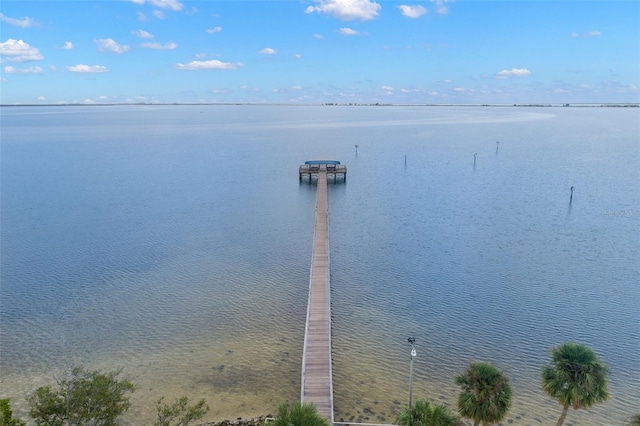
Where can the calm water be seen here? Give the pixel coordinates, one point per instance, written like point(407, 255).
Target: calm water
point(175, 242)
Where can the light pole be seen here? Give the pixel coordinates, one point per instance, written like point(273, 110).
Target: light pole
point(411, 341)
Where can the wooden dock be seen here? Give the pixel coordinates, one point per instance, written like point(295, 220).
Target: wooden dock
point(317, 383)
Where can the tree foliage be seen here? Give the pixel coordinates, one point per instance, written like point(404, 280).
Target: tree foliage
point(299, 414)
point(576, 377)
point(6, 415)
point(423, 413)
point(48, 408)
point(180, 413)
point(486, 393)
point(83, 398)
point(635, 420)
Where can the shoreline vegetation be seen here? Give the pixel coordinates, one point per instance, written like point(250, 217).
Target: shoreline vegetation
point(253, 421)
point(517, 105)
point(576, 378)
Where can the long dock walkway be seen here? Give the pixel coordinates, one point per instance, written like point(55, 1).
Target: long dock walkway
point(317, 383)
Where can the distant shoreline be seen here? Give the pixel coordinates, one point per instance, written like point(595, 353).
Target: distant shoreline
point(329, 104)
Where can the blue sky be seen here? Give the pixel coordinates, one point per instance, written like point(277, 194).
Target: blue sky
point(320, 51)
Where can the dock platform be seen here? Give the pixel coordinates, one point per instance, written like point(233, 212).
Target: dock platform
point(333, 169)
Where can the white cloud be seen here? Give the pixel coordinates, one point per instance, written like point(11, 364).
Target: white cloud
point(213, 64)
point(387, 88)
point(142, 34)
point(214, 30)
point(142, 17)
point(200, 55)
point(67, 45)
point(347, 10)
point(268, 51)
point(25, 22)
point(348, 32)
point(31, 70)
point(81, 68)
point(441, 7)
point(618, 87)
point(174, 5)
point(585, 35)
point(110, 45)
point(319, 36)
point(19, 51)
point(41, 98)
point(297, 56)
point(159, 46)
point(412, 11)
point(515, 72)
point(159, 14)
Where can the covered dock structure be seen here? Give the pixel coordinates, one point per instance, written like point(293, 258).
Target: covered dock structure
point(333, 169)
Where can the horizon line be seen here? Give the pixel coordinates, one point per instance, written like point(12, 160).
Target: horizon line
point(565, 104)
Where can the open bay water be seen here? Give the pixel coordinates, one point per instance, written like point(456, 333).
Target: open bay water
point(174, 242)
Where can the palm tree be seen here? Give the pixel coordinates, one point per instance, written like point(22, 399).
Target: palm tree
point(486, 393)
point(425, 414)
point(299, 414)
point(576, 378)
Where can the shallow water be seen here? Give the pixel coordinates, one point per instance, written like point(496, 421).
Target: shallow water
point(174, 242)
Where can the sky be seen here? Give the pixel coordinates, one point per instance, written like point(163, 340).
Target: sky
point(319, 51)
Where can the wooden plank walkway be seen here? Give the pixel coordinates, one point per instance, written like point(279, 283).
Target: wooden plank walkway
point(317, 383)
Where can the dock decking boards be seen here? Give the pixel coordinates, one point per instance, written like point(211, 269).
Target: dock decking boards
point(317, 383)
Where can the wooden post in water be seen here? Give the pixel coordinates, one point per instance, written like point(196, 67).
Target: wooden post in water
point(474, 160)
point(497, 144)
point(356, 150)
point(571, 196)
